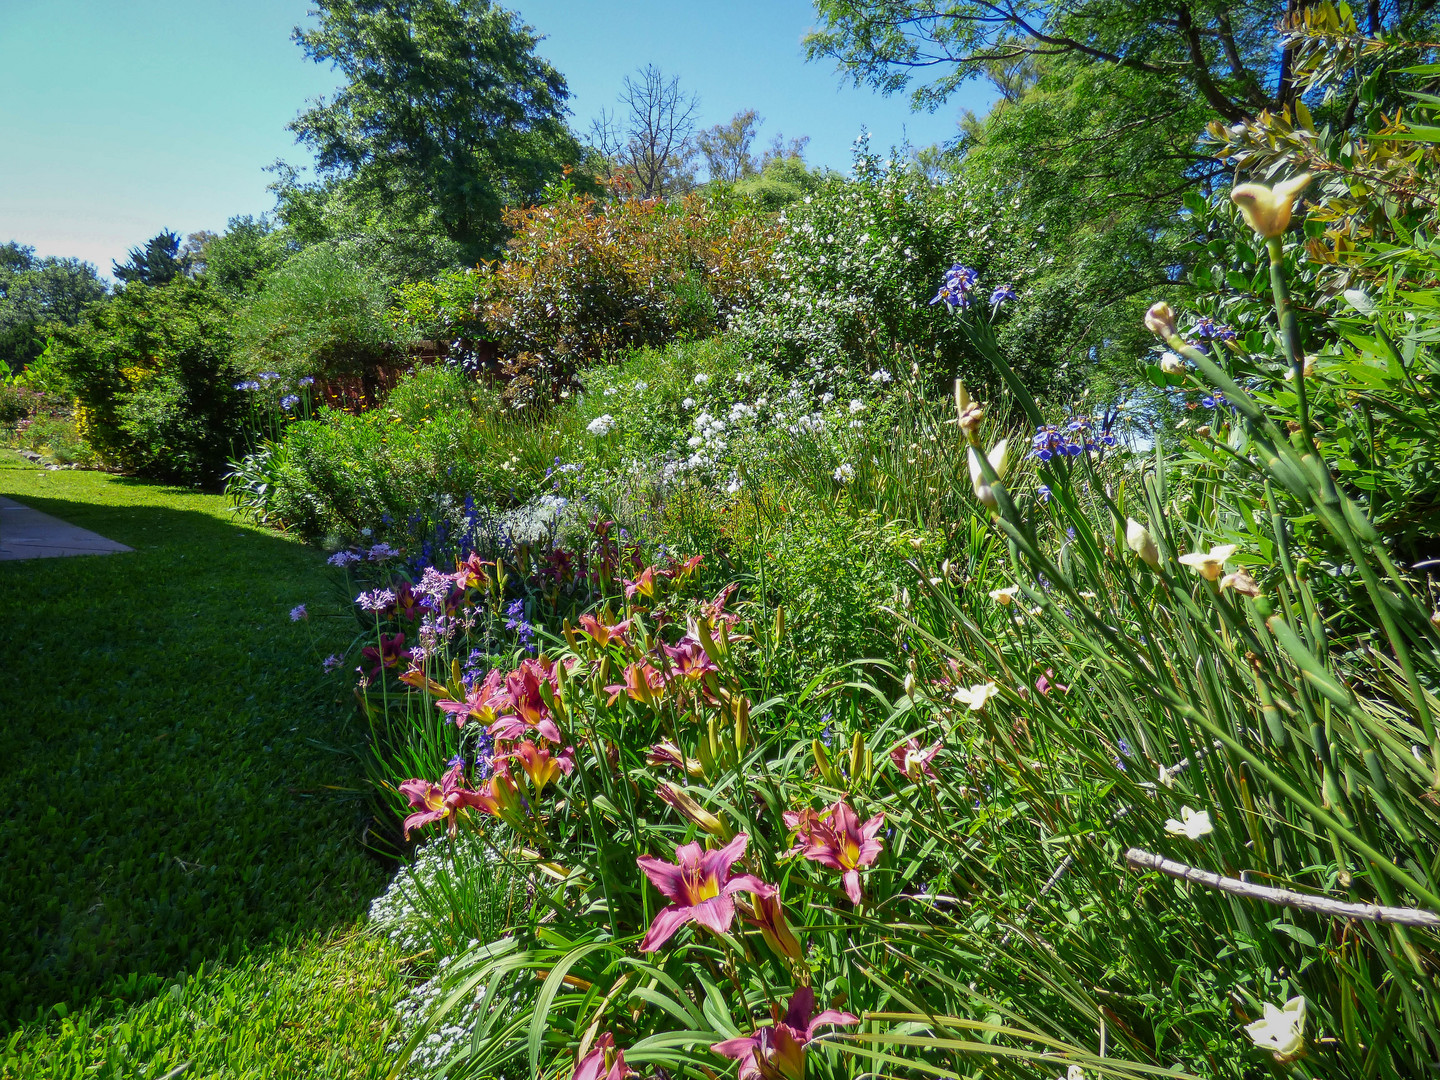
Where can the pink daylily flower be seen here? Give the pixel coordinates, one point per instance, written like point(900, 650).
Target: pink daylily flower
point(592, 1065)
point(777, 1052)
point(1044, 685)
point(391, 651)
point(914, 760)
point(439, 802)
point(601, 633)
point(642, 683)
point(479, 704)
point(837, 839)
point(523, 705)
point(700, 887)
point(541, 767)
point(689, 660)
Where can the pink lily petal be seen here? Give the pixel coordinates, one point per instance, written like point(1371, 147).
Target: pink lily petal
point(667, 877)
point(751, 884)
point(717, 913)
point(852, 886)
point(718, 862)
point(830, 1016)
point(667, 923)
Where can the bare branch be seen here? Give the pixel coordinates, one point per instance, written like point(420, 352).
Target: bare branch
point(1321, 905)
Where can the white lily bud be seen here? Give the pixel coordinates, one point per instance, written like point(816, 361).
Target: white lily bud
point(1267, 209)
point(1171, 364)
point(1139, 540)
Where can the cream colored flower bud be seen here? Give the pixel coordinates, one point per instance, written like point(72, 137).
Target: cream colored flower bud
point(1160, 319)
point(1267, 209)
point(1171, 364)
point(1139, 540)
point(1241, 582)
point(1309, 367)
point(999, 461)
point(1203, 431)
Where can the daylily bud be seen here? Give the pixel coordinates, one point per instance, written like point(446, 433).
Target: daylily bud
point(1267, 209)
point(691, 810)
point(1139, 540)
point(911, 685)
point(1171, 364)
point(775, 928)
point(823, 763)
point(1160, 319)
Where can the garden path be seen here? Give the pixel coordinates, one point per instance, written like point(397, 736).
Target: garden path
point(26, 533)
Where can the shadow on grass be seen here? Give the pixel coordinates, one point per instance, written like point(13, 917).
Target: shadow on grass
point(176, 769)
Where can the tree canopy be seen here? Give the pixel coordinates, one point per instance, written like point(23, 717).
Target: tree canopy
point(445, 102)
point(36, 291)
point(1219, 51)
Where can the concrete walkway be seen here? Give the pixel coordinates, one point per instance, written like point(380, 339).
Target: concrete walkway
point(29, 534)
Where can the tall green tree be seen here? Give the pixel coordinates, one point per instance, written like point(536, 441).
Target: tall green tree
point(35, 292)
point(157, 263)
point(445, 102)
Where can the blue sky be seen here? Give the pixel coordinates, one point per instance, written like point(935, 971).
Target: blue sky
point(118, 119)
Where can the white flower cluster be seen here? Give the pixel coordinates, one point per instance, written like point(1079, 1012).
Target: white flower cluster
point(601, 425)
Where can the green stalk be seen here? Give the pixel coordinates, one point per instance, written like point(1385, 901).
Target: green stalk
point(1289, 335)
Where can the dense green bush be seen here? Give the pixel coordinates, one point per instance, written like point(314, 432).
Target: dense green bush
point(154, 381)
point(318, 315)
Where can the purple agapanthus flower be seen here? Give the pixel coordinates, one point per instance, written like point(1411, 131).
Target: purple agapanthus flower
point(333, 661)
point(289, 401)
point(378, 600)
point(308, 380)
point(298, 612)
point(381, 552)
point(343, 558)
point(269, 376)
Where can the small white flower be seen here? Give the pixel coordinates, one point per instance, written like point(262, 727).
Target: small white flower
point(826, 398)
point(601, 425)
point(856, 405)
point(1171, 364)
point(701, 379)
point(1004, 596)
point(845, 473)
point(610, 391)
point(641, 386)
point(733, 488)
point(1281, 1030)
point(880, 376)
point(976, 696)
point(1193, 824)
point(688, 403)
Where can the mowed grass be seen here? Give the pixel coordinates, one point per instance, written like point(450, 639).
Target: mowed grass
point(182, 862)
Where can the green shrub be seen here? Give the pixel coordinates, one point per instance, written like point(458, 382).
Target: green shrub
point(318, 315)
point(152, 375)
point(582, 281)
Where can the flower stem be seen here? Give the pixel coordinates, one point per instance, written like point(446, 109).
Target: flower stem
point(1289, 335)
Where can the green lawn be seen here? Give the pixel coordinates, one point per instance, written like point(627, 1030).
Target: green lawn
point(179, 793)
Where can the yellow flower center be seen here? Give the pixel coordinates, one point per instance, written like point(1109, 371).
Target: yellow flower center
point(707, 889)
